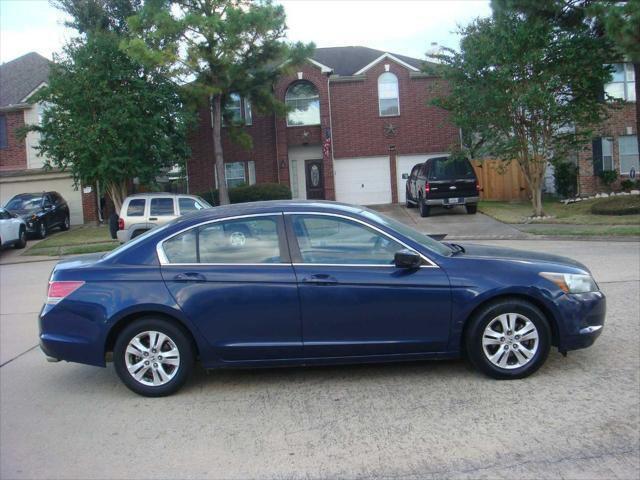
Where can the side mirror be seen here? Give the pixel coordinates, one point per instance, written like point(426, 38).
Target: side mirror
point(407, 259)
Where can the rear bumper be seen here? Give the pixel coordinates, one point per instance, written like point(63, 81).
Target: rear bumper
point(445, 201)
point(123, 236)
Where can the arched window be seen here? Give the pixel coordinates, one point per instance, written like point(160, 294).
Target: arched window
point(304, 104)
point(388, 98)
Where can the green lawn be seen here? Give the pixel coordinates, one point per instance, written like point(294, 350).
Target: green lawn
point(578, 213)
point(84, 239)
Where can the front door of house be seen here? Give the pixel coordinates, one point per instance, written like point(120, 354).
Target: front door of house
point(315, 180)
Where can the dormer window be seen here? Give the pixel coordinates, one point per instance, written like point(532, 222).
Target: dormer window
point(388, 95)
point(623, 82)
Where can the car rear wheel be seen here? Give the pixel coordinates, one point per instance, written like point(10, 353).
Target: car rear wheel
point(22, 239)
point(153, 357)
point(425, 209)
point(42, 230)
point(508, 339)
point(471, 209)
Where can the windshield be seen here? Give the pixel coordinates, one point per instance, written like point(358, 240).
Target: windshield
point(450, 168)
point(424, 240)
point(24, 202)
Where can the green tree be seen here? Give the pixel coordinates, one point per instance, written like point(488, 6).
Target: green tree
point(218, 48)
point(527, 88)
point(108, 118)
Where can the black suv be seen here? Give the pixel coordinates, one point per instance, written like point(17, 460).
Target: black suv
point(444, 182)
point(40, 211)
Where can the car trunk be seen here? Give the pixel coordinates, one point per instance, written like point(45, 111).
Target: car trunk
point(451, 178)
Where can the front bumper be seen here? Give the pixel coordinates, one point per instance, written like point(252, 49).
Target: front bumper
point(584, 316)
point(446, 201)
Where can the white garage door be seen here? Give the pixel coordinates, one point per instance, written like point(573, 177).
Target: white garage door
point(363, 181)
point(404, 164)
point(57, 182)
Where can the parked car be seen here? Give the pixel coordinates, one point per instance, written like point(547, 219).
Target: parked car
point(145, 211)
point(13, 230)
point(41, 212)
point(445, 182)
point(307, 283)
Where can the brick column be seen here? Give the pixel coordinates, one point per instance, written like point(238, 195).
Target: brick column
point(394, 174)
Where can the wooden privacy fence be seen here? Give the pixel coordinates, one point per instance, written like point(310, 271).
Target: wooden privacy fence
point(499, 181)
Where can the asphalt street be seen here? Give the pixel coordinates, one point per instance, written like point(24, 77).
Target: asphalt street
point(578, 417)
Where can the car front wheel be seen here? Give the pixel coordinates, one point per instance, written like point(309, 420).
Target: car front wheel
point(153, 357)
point(66, 224)
point(22, 239)
point(508, 339)
point(42, 230)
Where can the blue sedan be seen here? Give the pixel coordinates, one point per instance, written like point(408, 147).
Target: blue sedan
point(311, 283)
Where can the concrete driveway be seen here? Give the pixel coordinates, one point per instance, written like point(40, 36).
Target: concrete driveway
point(578, 417)
point(455, 222)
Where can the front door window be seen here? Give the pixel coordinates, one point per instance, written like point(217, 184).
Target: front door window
point(315, 181)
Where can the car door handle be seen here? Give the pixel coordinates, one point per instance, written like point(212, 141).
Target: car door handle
point(190, 277)
point(320, 279)
point(153, 219)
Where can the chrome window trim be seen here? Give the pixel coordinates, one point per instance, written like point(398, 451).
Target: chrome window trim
point(431, 263)
point(162, 258)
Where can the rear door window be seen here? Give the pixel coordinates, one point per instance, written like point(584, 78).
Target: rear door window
point(161, 207)
point(136, 207)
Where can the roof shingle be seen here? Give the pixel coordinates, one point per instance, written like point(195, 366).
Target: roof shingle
point(20, 77)
point(348, 60)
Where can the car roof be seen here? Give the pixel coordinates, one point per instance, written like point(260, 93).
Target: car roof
point(159, 194)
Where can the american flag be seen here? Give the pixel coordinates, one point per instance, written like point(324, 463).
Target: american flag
point(326, 147)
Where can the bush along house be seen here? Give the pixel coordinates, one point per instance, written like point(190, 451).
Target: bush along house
point(613, 153)
point(359, 120)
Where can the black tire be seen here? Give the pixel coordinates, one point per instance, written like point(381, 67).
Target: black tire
point(66, 224)
point(113, 225)
point(475, 331)
point(408, 203)
point(176, 334)
point(137, 233)
point(22, 240)
point(42, 230)
point(425, 210)
point(472, 209)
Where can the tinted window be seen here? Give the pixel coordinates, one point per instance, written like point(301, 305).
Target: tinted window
point(334, 240)
point(47, 201)
point(182, 248)
point(3, 132)
point(136, 207)
point(25, 201)
point(161, 207)
point(4, 215)
point(246, 240)
point(189, 205)
point(448, 168)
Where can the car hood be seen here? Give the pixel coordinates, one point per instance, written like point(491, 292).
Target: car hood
point(485, 251)
point(25, 213)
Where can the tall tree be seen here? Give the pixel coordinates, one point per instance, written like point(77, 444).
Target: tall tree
point(218, 48)
point(108, 118)
point(522, 85)
point(618, 21)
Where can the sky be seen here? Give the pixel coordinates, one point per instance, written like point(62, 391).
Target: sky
point(406, 27)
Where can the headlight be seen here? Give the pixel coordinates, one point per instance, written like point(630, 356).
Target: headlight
point(572, 283)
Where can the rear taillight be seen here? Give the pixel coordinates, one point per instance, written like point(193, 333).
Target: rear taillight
point(120, 223)
point(427, 187)
point(61, 289)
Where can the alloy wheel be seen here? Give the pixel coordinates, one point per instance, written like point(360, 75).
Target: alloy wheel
point(152, 358)
point(510, 341)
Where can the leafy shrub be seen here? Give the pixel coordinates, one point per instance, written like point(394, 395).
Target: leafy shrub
point(250, 193)
point(566, 179)
point(620, 205)
point(608, 177)
point(627, 184)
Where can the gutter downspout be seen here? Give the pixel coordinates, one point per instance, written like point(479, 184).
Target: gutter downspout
point(333, 169)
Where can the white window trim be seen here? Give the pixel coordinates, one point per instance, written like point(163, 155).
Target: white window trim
point(620, 154)
point(397, 98)
point(382, 57)
point(626, 84)
point(285, 101)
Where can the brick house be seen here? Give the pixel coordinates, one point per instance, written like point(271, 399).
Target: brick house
point(359, 121)
point(615, 146)
point(20, 167)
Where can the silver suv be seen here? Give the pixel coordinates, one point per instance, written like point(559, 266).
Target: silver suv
point(144, 211)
